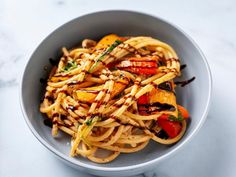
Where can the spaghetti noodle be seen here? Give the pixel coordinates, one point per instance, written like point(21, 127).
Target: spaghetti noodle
point(115, 95)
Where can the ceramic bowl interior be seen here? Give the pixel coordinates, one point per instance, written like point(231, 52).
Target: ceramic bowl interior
point(195, 96)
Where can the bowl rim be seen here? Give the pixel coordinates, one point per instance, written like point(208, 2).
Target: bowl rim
point(76, 162)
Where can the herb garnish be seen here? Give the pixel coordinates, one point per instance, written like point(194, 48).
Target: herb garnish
point(89, 122)
point(180, 118)
point(173, 118)
point(109, 50)
point(70, 65)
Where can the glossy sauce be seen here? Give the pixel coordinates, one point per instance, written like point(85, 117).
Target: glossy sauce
point(53, 62)
point(43, 81)
point(183, 67)
point(48, 122)
point(186, 82)
point(49, 98)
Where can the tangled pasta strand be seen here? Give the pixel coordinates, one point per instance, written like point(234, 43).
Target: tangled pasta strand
point(94, 95)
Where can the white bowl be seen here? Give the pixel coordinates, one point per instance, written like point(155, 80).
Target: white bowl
point(195, 96)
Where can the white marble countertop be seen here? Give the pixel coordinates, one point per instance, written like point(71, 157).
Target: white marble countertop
point(24, 24)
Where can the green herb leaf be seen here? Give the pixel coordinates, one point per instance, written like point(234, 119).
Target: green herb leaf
point(180, 118)
point(109, 50)
point(70, 65)
point(89, 122)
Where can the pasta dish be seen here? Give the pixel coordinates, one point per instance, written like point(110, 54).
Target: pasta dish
point(114, 96)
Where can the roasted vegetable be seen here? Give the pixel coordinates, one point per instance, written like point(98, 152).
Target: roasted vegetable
point(162, 96)
point(158, 100)
point(158, 95)
point(170, 127)
point(143, 65)
point(183, 111)
point(89, 94)
point(107, 41)
point(144, 99)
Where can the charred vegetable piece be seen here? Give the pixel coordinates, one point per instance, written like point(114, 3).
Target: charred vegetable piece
point(156, 108)
point(166, 86)
point(162, 96)
point(143, 65)
point(158, 95)
point(157, 100)
point(162, 134)
point(89, 94)
point(170, 127)
point(182, 114)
